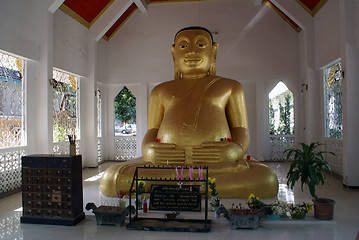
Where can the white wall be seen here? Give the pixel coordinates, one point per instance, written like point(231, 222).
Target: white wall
point(21, 28)
point(255, 43)
point(70, 44)
point(327, 34)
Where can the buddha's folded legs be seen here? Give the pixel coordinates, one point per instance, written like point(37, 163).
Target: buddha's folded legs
point(232, 180)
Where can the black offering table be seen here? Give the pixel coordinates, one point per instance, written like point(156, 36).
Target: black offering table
point(166, 195)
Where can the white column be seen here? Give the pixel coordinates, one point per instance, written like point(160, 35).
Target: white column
point(350, 42)
point(88, 109)
point(44, 106)
point(141, 116)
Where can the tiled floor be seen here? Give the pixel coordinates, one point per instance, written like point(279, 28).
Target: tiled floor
point(344, 226)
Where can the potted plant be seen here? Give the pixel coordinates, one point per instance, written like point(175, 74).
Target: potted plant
point(253, 202)
point(298, 210)
point(307, 166)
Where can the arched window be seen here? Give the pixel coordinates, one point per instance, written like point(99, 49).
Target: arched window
point(125, 113)
point(125, 125)
point(281, 111)
point(281, 121)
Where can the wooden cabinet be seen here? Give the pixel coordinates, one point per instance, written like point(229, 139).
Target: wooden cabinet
point(52, 189)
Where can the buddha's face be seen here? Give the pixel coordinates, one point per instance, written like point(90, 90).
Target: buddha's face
point(193, 52)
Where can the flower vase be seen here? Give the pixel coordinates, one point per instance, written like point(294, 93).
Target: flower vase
point(214, 202)
point(139, 202)
point(72, 149)
point(300, 215)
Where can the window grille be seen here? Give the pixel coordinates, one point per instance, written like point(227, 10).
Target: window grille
point(333, 93)
point(65, 101)
point(99, 125)
point(12, 130)
point(99, 113)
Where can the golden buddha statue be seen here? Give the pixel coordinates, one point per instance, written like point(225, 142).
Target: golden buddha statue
point(195, 120)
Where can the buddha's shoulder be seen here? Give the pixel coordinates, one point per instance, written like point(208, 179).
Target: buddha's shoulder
point(229, 82)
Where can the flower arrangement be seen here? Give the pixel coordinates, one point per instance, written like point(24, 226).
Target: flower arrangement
point(239, 210)
point(254, 202)
point(212, 186)
point(140, 186)
point(298, 210)
point(278, 208)
point(215, 201)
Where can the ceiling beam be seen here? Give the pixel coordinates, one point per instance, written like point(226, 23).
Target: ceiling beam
point(141, 4)
point(295, 12)
point(108, 18)
point(55, 5)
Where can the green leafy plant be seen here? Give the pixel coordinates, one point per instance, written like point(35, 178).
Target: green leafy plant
point(254, 202)
point(307, 167)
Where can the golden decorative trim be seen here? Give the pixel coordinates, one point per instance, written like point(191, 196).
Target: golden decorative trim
point(316, 9)
point(118, 28)
point(285, 17)
point(102, 11)
point(74, 15)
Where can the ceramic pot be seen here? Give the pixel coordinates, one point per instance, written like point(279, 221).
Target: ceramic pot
point(273, 216)
point(300, 215)
point(324, 208)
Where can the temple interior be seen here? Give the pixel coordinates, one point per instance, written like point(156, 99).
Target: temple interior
point(66, 65)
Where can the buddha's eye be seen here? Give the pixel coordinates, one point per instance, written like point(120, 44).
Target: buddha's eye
point(201, 45)
point(182, 46)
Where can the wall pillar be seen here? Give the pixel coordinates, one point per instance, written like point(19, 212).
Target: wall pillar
point(88, 109)
point(44, 103)
point(350, 28)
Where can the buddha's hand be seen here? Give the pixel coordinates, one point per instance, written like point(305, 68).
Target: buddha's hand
point(163, 153)
point(217, 152)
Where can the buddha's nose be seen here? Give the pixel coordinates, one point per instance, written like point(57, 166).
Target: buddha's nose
point(190, 53)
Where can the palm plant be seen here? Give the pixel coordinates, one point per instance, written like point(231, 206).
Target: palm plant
point(307, 167)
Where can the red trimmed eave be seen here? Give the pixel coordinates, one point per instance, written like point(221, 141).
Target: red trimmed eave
point(155, 1)
point(120, 21)
point(166, 1)
point(312, 6)
point(285, 16)
point(87, 9)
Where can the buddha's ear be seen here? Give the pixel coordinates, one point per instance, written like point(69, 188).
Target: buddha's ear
point(173, 51)
point(214, 49)
point(212, 70)
point(176, 70)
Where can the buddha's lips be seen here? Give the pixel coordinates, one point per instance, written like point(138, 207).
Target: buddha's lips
point(193, 61)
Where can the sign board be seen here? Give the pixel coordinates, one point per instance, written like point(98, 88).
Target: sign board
point(175, 198)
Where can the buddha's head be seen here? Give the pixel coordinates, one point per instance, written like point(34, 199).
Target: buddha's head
point(194, 53)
